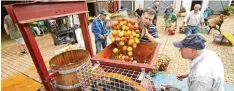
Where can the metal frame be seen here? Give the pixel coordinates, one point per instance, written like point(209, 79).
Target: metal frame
point(24, 13)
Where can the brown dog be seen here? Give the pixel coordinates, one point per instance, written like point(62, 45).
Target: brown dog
point(218, 20)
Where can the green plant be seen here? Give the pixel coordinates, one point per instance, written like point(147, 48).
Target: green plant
point(228, 10)
point(212, 11)
point(182, 10)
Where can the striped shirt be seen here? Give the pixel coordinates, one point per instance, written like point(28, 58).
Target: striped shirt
point(153, 31)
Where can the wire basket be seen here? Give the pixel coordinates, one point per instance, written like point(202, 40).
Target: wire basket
point(107, 78)
point(163, 62)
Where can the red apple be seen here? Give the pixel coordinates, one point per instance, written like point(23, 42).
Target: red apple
point(116, 27)
point(131, 27)
point(126, 58)
point(136, 26)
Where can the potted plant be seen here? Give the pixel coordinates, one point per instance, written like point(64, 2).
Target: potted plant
point(182, 12)
point(228, 10)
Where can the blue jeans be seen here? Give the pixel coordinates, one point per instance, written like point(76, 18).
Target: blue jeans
point(191, 30)
point(100, 43)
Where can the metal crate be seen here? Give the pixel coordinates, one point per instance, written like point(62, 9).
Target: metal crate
point(107, 78)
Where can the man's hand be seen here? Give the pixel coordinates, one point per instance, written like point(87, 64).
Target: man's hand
point(147, 33)
point(181, 77)
point(150, 37)
point(101, 36)
point(105, 35)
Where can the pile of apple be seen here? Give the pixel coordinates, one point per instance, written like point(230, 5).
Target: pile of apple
point(125, 34)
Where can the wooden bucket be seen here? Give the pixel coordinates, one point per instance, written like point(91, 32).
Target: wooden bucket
point(67, 64)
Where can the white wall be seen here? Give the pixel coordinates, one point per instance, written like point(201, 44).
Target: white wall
point(137, 2)
point(205, 4)
point(177, 4)
point(187, 5)
point(230, 1)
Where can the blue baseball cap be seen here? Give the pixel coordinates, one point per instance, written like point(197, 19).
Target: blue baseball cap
point(193, 41)
point(104, 12)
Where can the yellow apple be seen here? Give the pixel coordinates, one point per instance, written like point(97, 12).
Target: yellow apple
point(129, 49)
point(130, 41)
point(115, 50)
point(130, 54)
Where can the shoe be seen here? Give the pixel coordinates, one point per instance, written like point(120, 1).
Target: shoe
point(24, 52)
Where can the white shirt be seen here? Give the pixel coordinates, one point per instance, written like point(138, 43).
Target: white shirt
point(194, 19)
point(207, 73)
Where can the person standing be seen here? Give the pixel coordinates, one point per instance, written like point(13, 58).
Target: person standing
point(193, 20)
point(207, 14)
point(206, 68)
point(74, 21)
point(156, 9)
point(99, 31)
point(139, 11)
point(13, 30)
point(167, 17)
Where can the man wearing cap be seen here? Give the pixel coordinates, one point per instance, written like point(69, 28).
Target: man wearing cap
point(206, 69)
point(193, 20)
point(99, 31)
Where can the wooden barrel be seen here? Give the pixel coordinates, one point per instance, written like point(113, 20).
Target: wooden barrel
point(67, 64)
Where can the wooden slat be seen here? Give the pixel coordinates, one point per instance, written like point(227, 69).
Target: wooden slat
point(19, 82)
